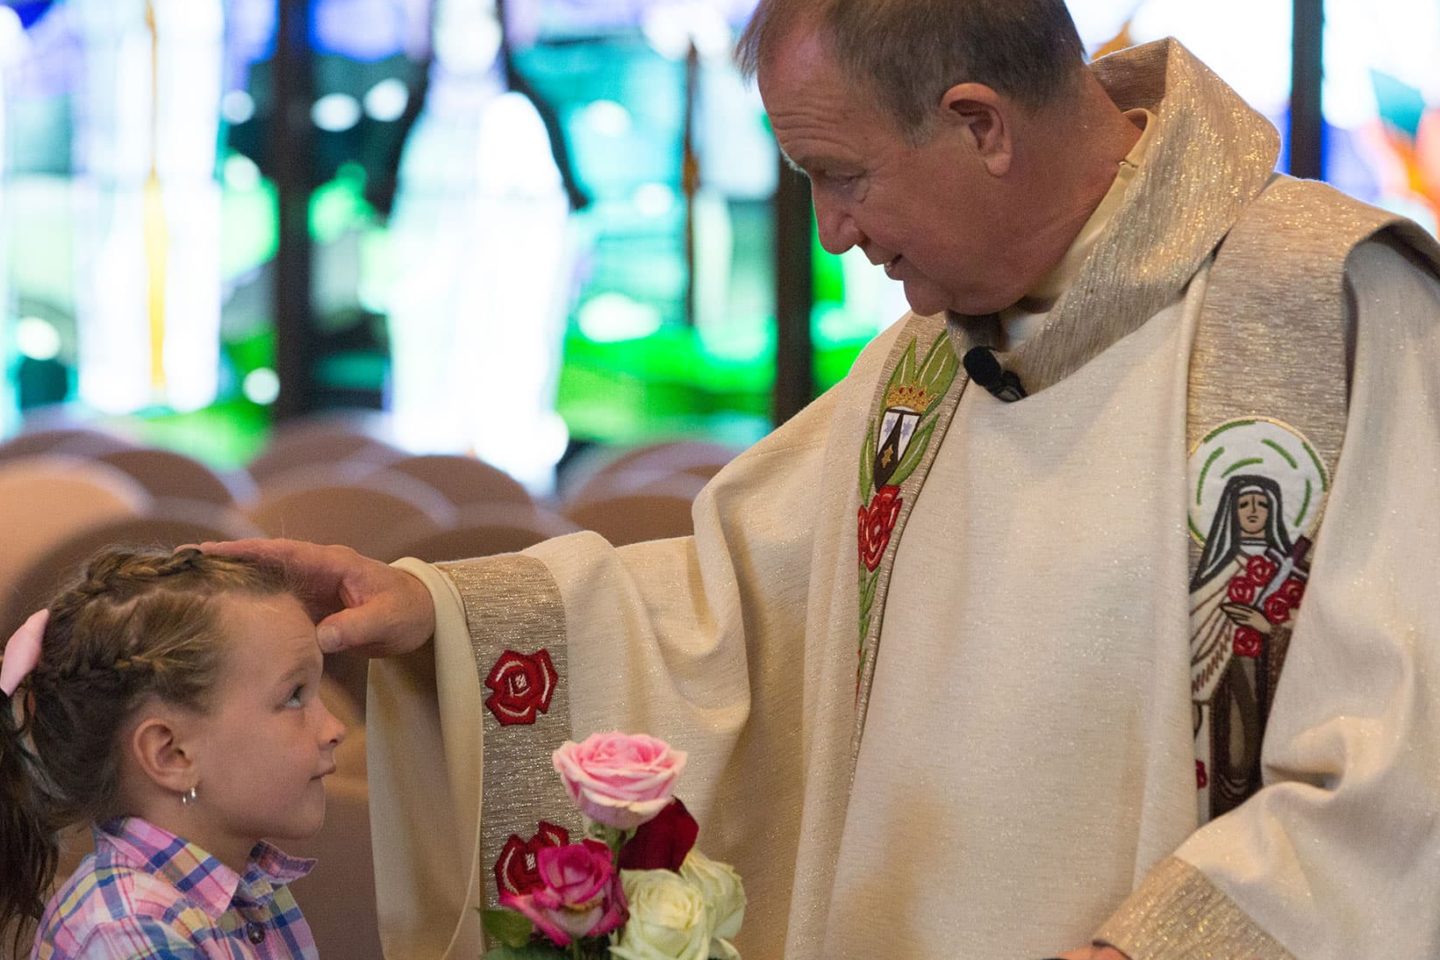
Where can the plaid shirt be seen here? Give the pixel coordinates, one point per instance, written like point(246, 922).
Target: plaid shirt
point(146, 893)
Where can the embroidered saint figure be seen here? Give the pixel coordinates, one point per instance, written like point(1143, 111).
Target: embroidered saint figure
point(1246, 588)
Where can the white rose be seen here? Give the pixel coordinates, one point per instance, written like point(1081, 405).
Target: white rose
point(668, 920)
point(724, 897)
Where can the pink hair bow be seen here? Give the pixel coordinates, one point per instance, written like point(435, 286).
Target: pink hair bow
point(22, 652)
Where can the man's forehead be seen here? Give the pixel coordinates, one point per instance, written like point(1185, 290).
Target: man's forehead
point(816, 112)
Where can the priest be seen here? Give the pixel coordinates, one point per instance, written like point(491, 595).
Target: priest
point(949, 677)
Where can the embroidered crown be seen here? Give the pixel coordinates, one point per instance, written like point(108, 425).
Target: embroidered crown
point(908, 395)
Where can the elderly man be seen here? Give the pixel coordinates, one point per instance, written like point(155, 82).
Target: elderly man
point(997, 649)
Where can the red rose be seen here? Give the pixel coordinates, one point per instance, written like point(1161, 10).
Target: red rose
point(516, 869)
point(876, 524)
point(522, 685)
point(1247, 642)
point(1202, 779)
point(1260, 569)
point(661, 843)
point(1292, 590)
point(1242, 590)
point(1277, 608)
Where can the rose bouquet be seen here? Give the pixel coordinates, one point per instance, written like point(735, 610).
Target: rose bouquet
point(635, 888)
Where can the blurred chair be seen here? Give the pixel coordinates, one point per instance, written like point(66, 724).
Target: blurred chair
point(175, 476)
point(350, 504)
point(464, 481)
point(661, 511)
point(358, 421)
point(480, 531)
point(604, 473)
point(46, 499)
point(81, 442)
point(164, 524)
point(285, 454)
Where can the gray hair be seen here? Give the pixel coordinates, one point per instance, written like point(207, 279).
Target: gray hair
point(909, 52)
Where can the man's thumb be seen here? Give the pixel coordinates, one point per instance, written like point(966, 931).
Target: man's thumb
point(338, 632)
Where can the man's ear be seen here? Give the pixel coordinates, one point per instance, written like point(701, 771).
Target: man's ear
point(981, 117)
point(160, 750)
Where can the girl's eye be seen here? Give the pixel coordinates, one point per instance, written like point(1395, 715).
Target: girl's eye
point(296, 697)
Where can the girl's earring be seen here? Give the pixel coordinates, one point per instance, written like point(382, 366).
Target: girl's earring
point(188, 797)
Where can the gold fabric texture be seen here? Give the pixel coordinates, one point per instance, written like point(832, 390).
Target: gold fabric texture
point(1276, 308)
point(1177, 914)
point(1209, 157)
point(920, 332)
point(512, 603)
point(1275, 341)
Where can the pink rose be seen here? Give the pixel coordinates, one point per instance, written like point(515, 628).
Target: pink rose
point(617, 779)
point(579, 893)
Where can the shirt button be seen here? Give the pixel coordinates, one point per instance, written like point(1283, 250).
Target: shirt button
point(255, 932)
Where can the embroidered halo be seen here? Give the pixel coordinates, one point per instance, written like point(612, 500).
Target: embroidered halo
point(1258, 446)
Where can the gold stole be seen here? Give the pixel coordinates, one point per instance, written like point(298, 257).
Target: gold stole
point(1268, 398)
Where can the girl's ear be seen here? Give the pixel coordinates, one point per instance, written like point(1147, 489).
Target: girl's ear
point(158, 747)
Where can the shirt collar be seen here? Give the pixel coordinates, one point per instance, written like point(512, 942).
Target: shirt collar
point(196, 874)
point(1029, 314)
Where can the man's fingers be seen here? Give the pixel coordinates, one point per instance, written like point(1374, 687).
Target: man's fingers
point(321, 574)
point(358, 604)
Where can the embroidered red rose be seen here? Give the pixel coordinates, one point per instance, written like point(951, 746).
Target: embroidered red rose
point(1247, 642)
point(1277, 608)
point(1202, 779)
point(516, 869)
point(523, 685)
point(876, 524)
point(1293, 590)
point(1242, 590)
point(1260, 569)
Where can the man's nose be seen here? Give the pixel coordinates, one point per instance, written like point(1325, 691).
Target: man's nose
point(837, 228)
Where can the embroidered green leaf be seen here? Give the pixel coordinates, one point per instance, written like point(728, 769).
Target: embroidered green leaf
point(867, 597)
point(904, 370)
point(867, 465)
point(913, 454)
point(508, 927)
point(938, 371)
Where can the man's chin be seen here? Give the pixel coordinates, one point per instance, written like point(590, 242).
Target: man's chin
point(928, 300)
point(925, 299)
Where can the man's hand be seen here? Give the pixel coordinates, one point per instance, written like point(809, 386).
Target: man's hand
point(1094, 953)
point(359, 604)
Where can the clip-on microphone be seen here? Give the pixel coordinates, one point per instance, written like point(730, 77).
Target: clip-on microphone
point(984, 369)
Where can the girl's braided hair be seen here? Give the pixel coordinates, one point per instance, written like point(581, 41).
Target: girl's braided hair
point(138, 624)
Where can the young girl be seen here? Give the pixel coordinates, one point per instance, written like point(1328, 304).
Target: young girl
point(170, 701)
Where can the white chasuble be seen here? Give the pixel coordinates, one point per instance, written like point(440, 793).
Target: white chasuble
point(1026, 778)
